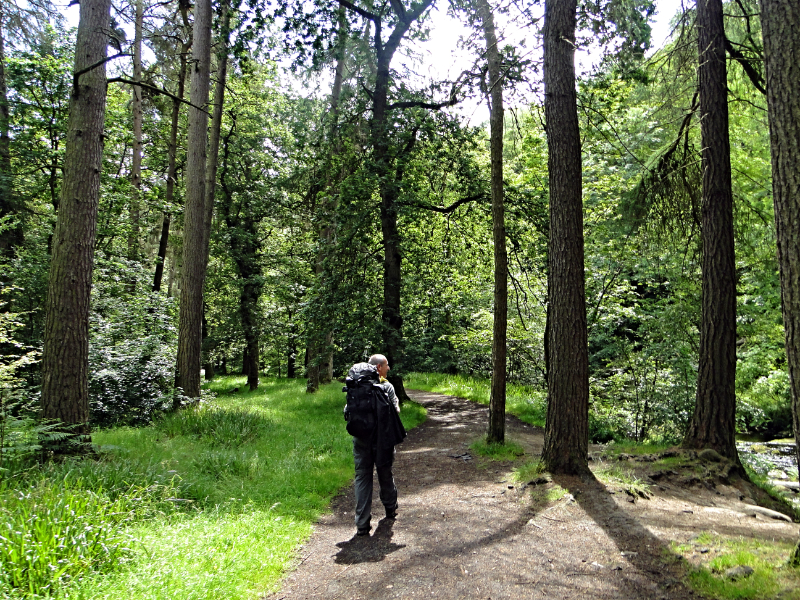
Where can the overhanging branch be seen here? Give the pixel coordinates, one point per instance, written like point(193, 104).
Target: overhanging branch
point(155, 89)
point(447, 209)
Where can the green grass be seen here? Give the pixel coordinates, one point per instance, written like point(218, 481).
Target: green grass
point(528, 472)
point(771, 577)
point(617, 448)
point(209, 503)
point(616, 475)
point(524, 402)
point(507, 451)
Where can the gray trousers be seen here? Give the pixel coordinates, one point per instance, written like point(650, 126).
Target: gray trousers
point(364, 456)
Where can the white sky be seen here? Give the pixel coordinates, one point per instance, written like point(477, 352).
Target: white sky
point(442, 58)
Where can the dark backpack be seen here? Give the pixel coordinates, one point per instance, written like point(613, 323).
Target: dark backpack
point(363, 394)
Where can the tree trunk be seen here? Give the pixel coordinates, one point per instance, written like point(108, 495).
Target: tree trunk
point(12, 236)
point(65, 356)
point(136, 109)
point(216, 123)
point(497, 398)
point(248, 311)
point(245, 359)
point(320, 368)
point(391, 318)
point(566, 440)
point(713, 424)
point(194, 254)
point(780, 22)
point(171, 170)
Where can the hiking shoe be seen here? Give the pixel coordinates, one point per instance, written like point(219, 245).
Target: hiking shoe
point(391, 513)
point(362, 532)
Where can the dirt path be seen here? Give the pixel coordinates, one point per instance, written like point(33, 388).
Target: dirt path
point(463, 531)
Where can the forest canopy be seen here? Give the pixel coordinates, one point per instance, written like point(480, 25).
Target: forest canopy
point(347, 209)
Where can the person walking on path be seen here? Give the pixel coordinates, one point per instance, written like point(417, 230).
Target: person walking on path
point(377, 451)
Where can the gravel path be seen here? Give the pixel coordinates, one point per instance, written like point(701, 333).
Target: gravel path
point(465, 531)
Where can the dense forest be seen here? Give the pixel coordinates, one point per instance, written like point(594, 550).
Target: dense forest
point(274, 190)
point(342, 208)
point(278, 190)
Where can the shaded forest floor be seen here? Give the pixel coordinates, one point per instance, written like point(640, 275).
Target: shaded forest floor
point(467, 528)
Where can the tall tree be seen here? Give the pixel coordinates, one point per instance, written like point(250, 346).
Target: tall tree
point(319, 357)
point(566, 440)
point(780, 22)
point(65, 356)
point(494, 95)
point(172, 154)
point(136, 109)
point(713, 423)
point(194, 252)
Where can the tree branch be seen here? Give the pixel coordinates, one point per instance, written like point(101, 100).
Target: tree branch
point(755, 76)
point(78, 74)
point(155, 89)
point(448, 209)
point(364, 13)
point(415, 104)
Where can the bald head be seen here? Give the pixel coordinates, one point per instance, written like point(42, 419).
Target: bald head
point(381, 364)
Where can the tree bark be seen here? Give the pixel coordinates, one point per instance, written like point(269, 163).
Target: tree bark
point(497, 398)
point(780, 22)
point(136, 109)
point(194, 255)
point(65, 356)
point(566, 442)
point(713, 424)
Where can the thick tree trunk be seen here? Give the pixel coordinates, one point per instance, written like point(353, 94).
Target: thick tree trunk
point(566, 440)
point(216, 123)
point(136, 162)
point(65, 356)
point(713, 424)
point(497, 398)
point(780, 22)
point(194, 254)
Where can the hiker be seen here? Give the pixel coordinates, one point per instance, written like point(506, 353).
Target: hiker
point(375, 435)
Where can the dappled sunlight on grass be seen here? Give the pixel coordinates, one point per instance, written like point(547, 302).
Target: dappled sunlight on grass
point(524, 402)
point(214, 499)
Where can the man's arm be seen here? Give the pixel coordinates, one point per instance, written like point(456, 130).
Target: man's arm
point(389, 388)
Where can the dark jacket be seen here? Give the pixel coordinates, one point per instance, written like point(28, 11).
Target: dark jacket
point(389, 430)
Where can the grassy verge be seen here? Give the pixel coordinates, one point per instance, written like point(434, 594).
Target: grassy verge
point(713, 558)
point(208, 503)
point(524, 402)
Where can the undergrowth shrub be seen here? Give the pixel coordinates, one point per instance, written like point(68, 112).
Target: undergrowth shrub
point(132, 348)
point(227, 427)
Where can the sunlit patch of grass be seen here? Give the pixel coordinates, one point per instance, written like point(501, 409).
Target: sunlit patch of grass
point(528, 472)
point(524, 402)
point(507, 451)
point(412, 414)
point(671, 461)
point(771, 577)
point(617, 475)
point(211, 502)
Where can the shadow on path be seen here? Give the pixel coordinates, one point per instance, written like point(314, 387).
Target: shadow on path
point(368, 548)
point(638, 546)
